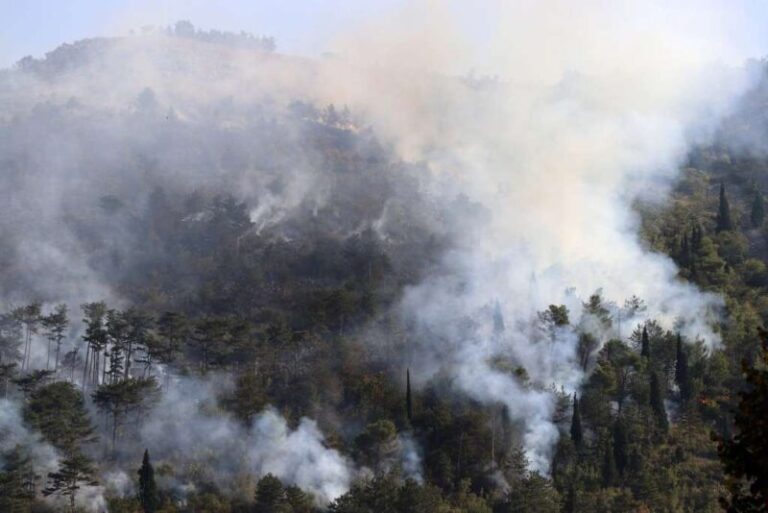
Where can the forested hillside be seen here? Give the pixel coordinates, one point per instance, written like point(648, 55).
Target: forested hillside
point(220, 306)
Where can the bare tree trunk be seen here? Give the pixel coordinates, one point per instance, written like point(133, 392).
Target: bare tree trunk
point(58, 352)
point(128, 356)
point(85, 365)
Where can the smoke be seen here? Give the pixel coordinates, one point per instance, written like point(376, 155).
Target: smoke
point(298, 457)
point(594, 110)
point(186, 426)
point(43, 457)
point(590, 109)
point(40, 458)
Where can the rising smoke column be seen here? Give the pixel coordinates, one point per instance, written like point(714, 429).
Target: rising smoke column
point(594, 108)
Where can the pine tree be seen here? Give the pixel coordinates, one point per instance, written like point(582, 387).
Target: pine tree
point(29, 316)
point(96, 339)
point(757, 215)
point(645, 344)
point(74, 470)
point(122, 398)
point(270, 495)
point(681, 371)
point(147, 486)
point(17, 480)
point(657, 403)
point(408, 398)
point(724, 222)
point(58, 412)
point(576, 432)
point(55, 326)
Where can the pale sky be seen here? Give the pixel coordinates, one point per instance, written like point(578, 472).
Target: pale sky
point(304, 27)
point(33, 27)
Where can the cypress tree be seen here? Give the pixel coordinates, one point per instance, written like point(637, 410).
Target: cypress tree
point(724, 222)
point(657, 402)
point(696, 237)
point(645, 344)
point(681, 371)
point(270, 495)
point(620, 446)
point(147, 486)
point(757, 216)
point(576, 433)
point(408, 400)
point(685, 252)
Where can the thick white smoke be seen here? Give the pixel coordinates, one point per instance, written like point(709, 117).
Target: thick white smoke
point(595, 106)
point(186, 426)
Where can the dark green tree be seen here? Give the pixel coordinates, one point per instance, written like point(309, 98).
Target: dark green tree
point(147, 487)
point(298, 500)
point(17, 481)
point(58, 412)
point(270, 496)
point(645, 344)
point(723, 221)
point(657, 403)
point(576, 434)
point(74, 470)
point(682, 378)
point(122, 398)
point(33, 380)
point(587, 345)
point(745, 456)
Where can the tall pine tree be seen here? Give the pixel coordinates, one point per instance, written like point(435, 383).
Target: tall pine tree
point(147, 486)
point(724, 222)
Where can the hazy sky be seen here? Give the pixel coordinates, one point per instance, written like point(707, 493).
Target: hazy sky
point(33, 27)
